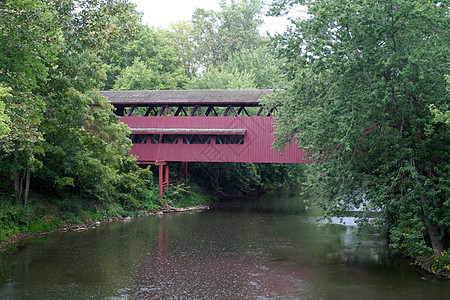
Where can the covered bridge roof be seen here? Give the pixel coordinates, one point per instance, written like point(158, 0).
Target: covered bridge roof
point(187, 97)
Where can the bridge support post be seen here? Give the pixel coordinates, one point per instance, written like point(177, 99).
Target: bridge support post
point(161, 172)
point(164, 175)
point(161, 181)
point(166, 183)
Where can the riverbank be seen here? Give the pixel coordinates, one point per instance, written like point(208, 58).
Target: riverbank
point(426, 265)
point(45, 214)
point(68, 227)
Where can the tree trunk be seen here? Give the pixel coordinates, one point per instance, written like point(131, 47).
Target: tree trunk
point(17, 186)
point(27, 187)
point(438, 245)
point(21, 191)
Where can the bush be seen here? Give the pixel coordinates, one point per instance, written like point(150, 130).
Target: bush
point(183, 196)
point(43, 225)
point(12, 218)
point(441, 262)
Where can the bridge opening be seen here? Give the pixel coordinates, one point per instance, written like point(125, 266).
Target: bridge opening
point(188, 139)
point(196, 139)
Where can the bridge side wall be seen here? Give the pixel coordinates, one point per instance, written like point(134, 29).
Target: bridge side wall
point(256, 147)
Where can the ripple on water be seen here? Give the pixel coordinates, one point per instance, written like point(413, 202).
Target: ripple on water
point(211, 256)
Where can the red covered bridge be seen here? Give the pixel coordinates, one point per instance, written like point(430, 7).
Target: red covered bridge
point(200, 126)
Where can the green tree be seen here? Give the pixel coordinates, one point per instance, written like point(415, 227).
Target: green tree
point(85, 147)
point(217, 35)
point(61, 132)
point(183, 36)
point(227, 80)
point(205, 35)
point(29, 44)
point(364, 74)
point(4, 120)
point(221, 178)
point(239, 24)
point(262, 63)
point(93, 23)
point(139, 76)
point(151, 51)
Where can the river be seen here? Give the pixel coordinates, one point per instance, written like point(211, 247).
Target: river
point(266, 249)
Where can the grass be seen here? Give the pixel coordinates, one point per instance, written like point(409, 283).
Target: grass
point(43, 225)
point(46, 214)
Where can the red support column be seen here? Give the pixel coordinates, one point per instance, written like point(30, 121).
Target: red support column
point(185, 172)
point(167, 177)
point(161, 181)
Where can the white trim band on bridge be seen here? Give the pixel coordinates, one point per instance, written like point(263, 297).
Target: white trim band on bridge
point(187, 131)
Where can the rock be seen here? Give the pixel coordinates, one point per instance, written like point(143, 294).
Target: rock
point(79, 229)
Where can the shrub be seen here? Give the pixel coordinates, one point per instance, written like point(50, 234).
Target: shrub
point(441, 262)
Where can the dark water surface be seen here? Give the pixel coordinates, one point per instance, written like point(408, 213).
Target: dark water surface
point(251, 251)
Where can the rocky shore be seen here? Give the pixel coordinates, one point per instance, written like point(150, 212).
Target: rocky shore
point(75, 227)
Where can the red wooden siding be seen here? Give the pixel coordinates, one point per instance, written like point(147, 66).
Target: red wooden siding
point(256, 147)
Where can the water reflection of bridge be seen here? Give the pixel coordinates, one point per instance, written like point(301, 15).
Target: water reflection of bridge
point(199, 126)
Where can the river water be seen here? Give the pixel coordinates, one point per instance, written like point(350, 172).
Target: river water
point(266, 249)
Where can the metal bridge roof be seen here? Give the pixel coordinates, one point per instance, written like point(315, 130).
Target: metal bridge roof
point(187, 97)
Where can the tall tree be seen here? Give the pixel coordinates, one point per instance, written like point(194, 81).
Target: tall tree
point(4, 120)
point(364, 74)
point(183, 36)
point(261, 62)
point(152, 52)
point(206, 39)
point(86, 148)
point(61, 132)
point(239, 24)
point(226, 80)
point(220, 34)
point(30, 42)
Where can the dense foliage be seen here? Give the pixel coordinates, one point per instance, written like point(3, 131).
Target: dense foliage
point(58, 136)
point(4, 119)
point(146, 61)
point(368, 99)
